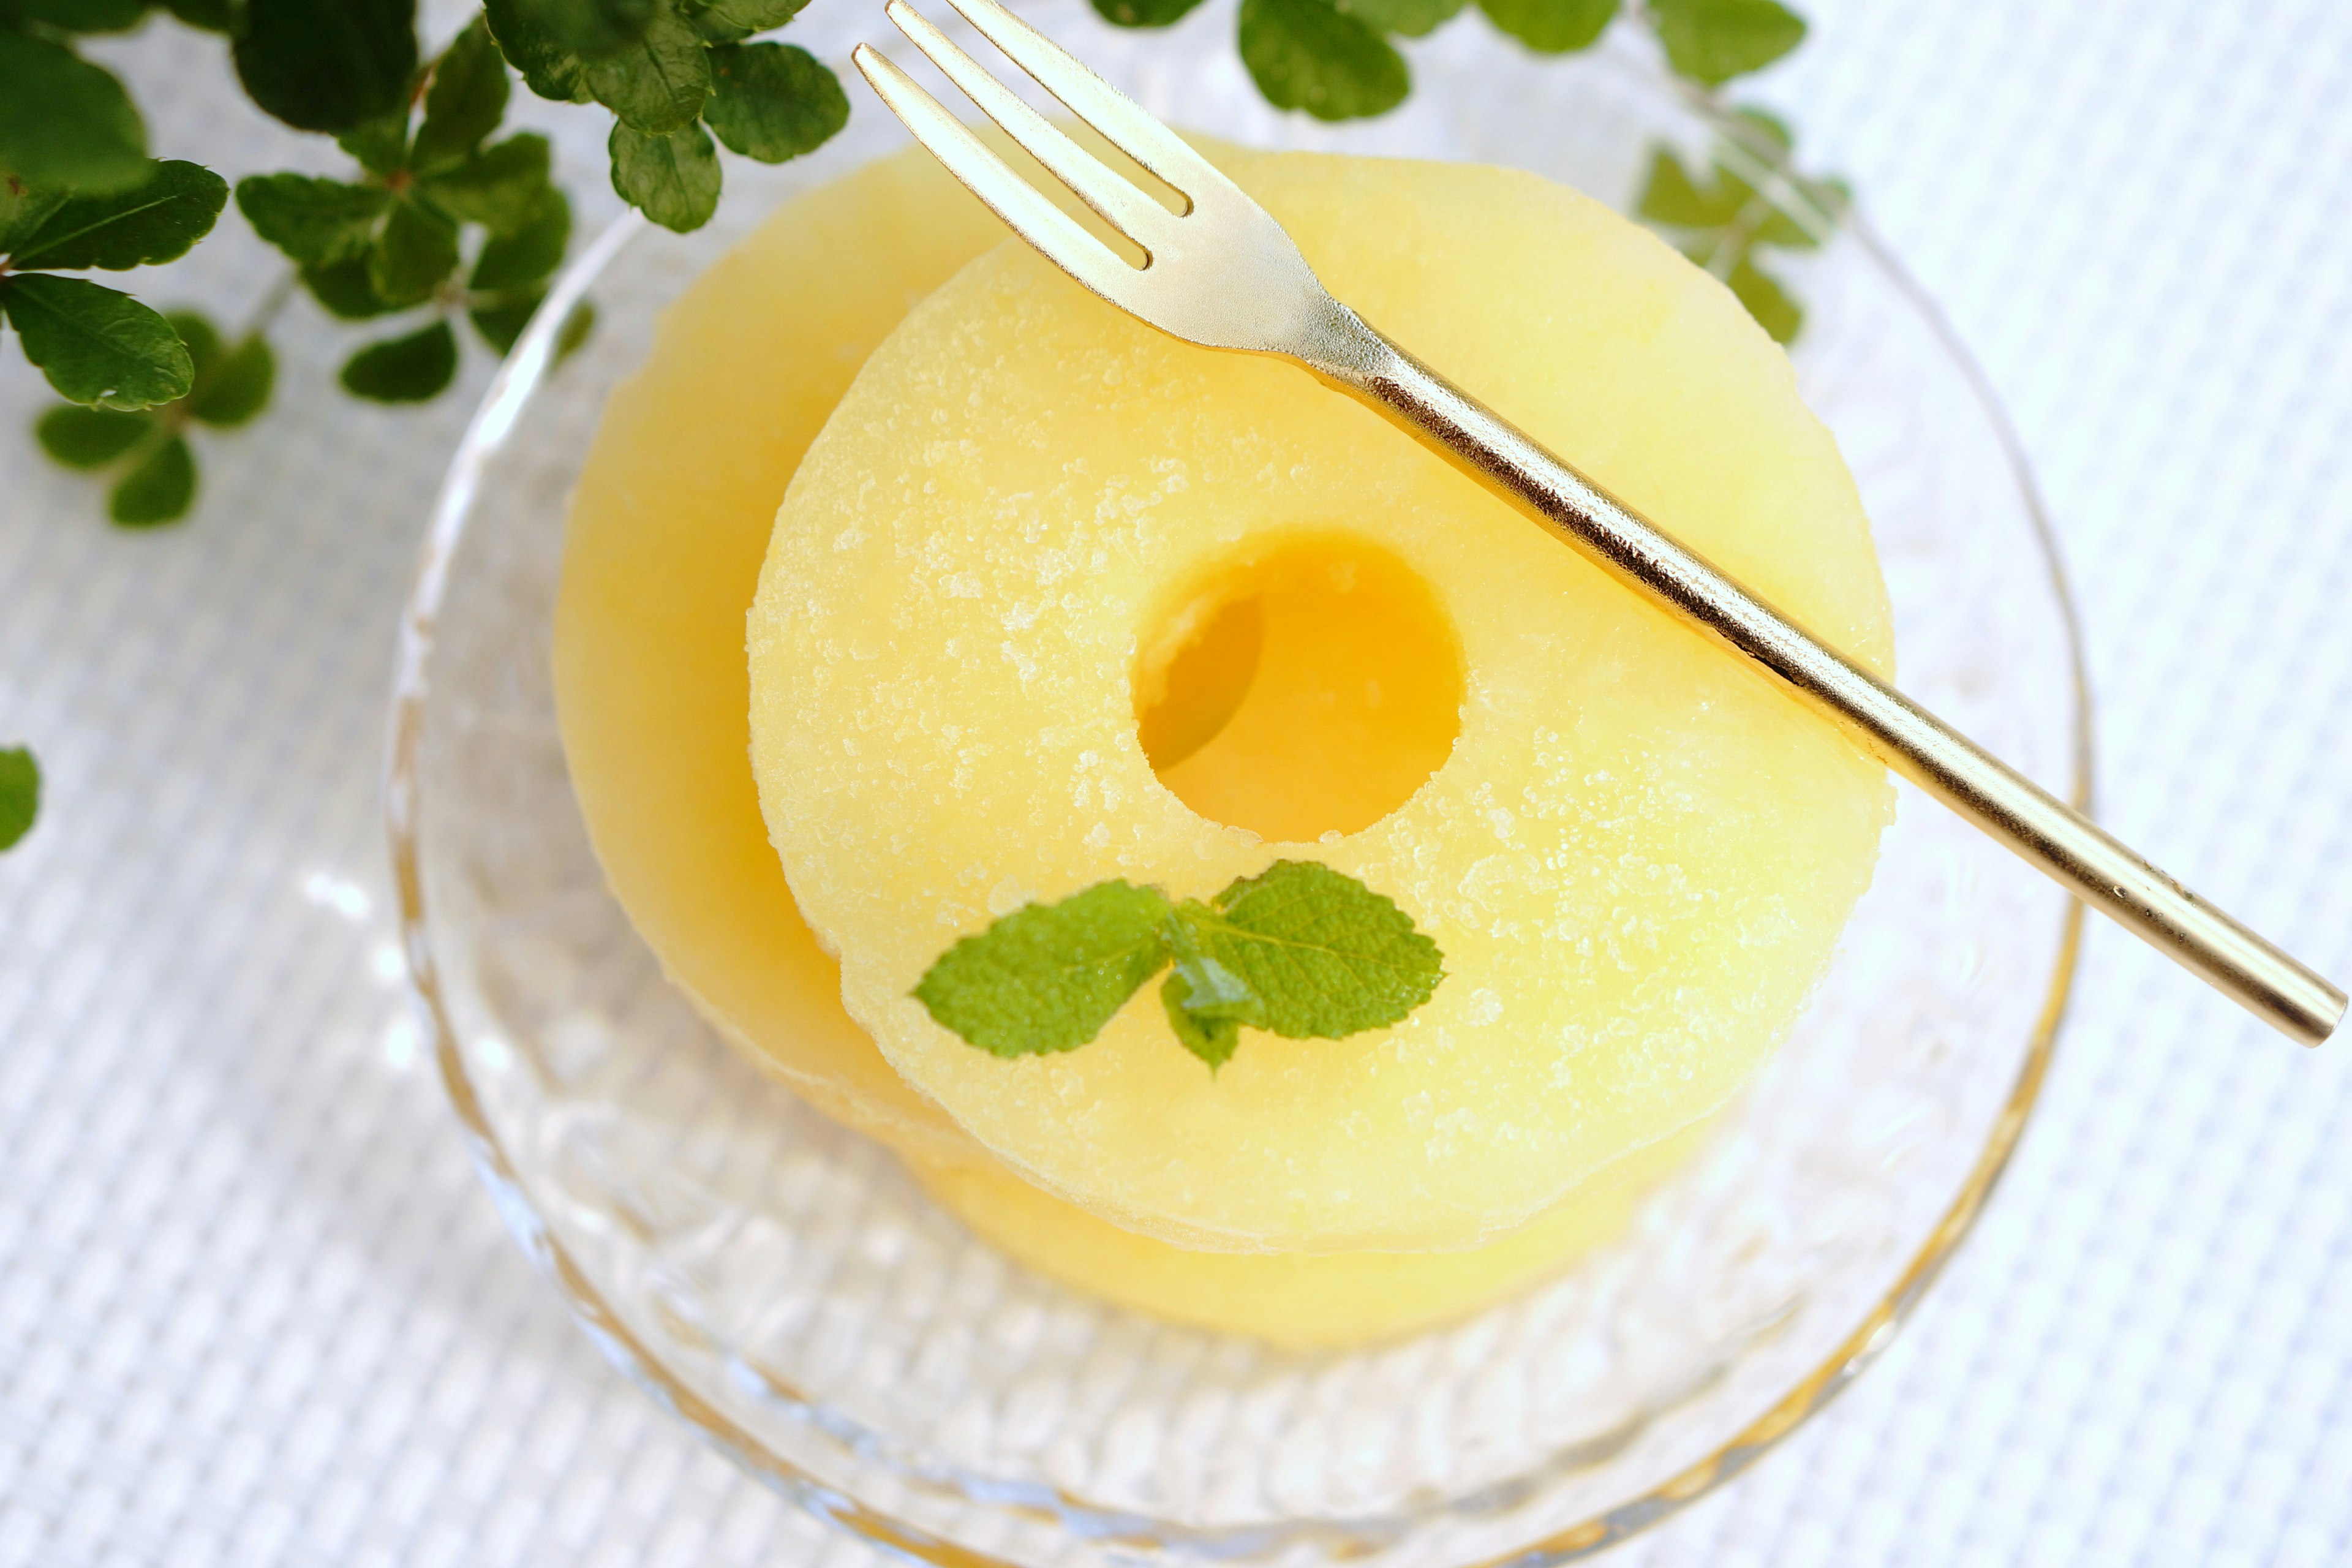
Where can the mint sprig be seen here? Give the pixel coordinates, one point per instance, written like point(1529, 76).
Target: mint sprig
point(1299, 951)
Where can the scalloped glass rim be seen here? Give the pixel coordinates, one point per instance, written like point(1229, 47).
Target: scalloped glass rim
point(489, 435)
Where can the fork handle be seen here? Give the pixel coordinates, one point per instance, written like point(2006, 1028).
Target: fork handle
point(2089, 862)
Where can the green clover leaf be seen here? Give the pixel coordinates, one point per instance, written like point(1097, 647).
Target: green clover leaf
point(155, 220)
point(411, 369)
point(673, 179)
point(1144, 13)
point(1305, 54)
point(1411, 19)
point(733, 21)
point(498, 186)
point(465, 102)
point(772, 101)
point(64, 122)
point(315, 221)
point(1711, 41)
point(327, 65)
point(96, 345)
point(658, 83)
point(159, 488)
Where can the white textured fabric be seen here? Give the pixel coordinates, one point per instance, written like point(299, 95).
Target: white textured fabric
point(254, 1309)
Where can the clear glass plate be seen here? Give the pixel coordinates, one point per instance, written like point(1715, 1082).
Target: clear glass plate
point(780, 1283)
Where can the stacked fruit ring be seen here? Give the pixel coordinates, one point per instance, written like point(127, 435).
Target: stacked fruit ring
point(1052, 602)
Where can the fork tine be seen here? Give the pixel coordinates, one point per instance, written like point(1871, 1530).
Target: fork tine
point(1011, 197)
point(1121, 205)
point(1095, 102)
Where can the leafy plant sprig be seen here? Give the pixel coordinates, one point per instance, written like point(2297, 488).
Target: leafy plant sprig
point(672, 72)
point(393, 240)
point(1336, 60)
point(438, 218)
point(145, 451)
point(1300, 951)
point(1721, 218)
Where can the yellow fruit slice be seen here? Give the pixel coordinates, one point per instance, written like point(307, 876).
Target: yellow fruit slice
point(1301, 1300)
point(661, 556)
point(1636, 856)
point(661, 560)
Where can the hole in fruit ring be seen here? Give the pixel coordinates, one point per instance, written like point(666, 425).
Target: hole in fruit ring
point(1304, 690)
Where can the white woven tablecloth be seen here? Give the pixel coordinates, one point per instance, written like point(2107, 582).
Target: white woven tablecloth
point(256, 1310)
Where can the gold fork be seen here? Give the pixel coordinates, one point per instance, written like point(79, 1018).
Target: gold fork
point(1223, 274)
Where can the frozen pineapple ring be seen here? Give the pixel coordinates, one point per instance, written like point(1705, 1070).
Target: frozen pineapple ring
point(1029, 512)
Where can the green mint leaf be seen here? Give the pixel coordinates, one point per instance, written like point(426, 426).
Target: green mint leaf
point(1326, 954)
point(24, 208)
point(732, 21)
point(381, 145)
point(772, 101)
point(20, 794)
point(591, 28)
point(327, 65)
point(1047, 977)
point(159, 489)
point(1412, 18)
point(466, 101)
point(343, 289)
point(1210, 1037)
point(212, 15)
point(96, 345)
point(1552, 26)
point(64, 122)
point(1144, 13)
point(89, 437)
point(527, 253)
point(498, 187)
point(1303, 54)
point(413, 369)
point(1711, 41)
point(657, 84)
point(1772, 306)
point(673, 179)
point(1206, 1002)
point(84, 16)
point(1673, 198)
point(236, 387)
point(413, 255)
point(549, 69)
point(501, 324)
point(313, 221)
point(156, 220)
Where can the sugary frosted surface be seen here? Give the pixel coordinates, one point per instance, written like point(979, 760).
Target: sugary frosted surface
point(1636, 860)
